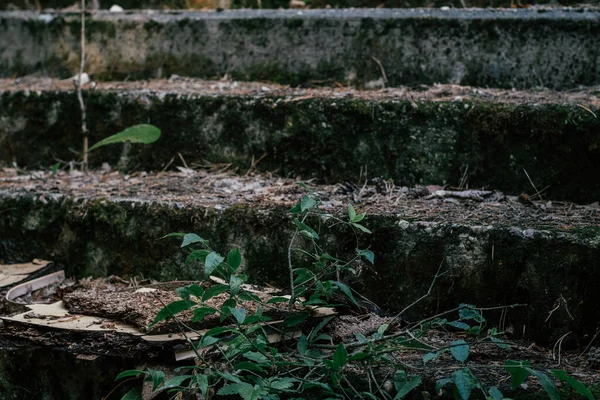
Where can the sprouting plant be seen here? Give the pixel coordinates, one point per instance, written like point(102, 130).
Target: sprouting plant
point(143, 133)
point(270, 345)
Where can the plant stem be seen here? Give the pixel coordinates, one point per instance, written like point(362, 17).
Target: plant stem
point(84, 131)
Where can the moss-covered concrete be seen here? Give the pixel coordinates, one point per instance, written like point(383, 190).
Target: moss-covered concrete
point(488, 265)
point(331, 139)
point(502, 48)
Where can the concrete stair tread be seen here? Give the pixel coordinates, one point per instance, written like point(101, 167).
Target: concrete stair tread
point(220, 191)
point(587, 97)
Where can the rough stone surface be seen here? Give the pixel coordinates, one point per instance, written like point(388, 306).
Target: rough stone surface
point(499, 48)
point(494, 253)
point(486, 137)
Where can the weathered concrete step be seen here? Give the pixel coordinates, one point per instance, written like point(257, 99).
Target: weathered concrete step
point(445, 134)
point(497, 48)
point(495, 252)
point(202, 4)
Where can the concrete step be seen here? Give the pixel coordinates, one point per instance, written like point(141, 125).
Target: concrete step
point(496, 251)
point(203, 4)
point(524, 48)
point(497, 139)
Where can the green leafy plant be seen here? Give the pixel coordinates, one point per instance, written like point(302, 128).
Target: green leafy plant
point(279, 346)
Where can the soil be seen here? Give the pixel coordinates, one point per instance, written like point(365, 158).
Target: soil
point(588, 97)
point(216, 187)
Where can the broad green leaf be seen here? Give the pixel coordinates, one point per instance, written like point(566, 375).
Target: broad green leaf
point(404, 390)
point(430, 356)
point(183, 292)
point(546, 383)
point(351, 212)
point(346, 290)
point(500, 343)
point(358, 356)
point(214, 291)
point(202, 381)
point(367, 254)
point(201, 312)
point(274, 300)
point(172, 309)
point(361, 227)
point(306, 230)
point(219, 330)
point(340, 357)
point(156, 377)
point(574, 383)
point(359, 217)
point(468, 311)
point(256, 357)
point(197, 255)
point(247, 296)
point(239, 314)
point(207, 341)
point(440, 383)
point(143, 133)
point(474, 331)
point(459, 350)
point(234, 259)
point(302, 344)
point(382, 328)
point(196, 290)
point(213, 260)
point(191, 238)
point(235, 283)
point(400, 379)
point(314, 334)
point(517, 372)
point(495, 393)
point(128, 373)
point(306, 203)
point(248, 366)
point(176, 381)
point(133, 394)
point(296, 209)
point(463, 382)
point(458, 325)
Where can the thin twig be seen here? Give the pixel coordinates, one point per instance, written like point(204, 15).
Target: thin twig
point(385, 80)
point(437, 275)
point(559, 343)
point(588, 110)
point(84, 130)
point(537, 192)
point(590, 343)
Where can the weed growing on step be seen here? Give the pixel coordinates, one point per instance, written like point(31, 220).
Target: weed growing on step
point(281, 346)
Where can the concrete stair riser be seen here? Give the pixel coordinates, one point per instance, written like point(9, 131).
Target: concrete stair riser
point(331, 139)
point(502, 48)
point(488, 265)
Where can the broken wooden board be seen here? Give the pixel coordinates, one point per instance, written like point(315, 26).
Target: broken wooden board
point(11, 274)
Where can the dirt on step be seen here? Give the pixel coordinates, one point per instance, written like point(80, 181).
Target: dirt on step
point(587, 97)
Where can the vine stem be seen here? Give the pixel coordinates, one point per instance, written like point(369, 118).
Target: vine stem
point(291, 267)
